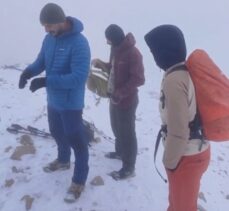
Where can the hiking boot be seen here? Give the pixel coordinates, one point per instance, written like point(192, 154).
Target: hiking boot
point(73, 193)
point(113, 155)
point(123, 173)
point(55, 166)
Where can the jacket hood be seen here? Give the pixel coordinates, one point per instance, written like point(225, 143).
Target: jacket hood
point(128, 42)
point(167, 45)
point(77, 27)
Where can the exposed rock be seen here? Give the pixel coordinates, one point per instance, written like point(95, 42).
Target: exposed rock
point(220, 158)
point(97, 181)
point(28, 201)
point(202, 197)
point(26, 148)
point(22, 150)
point(2, 81)
point(200, 208)
point(26, 140)
point(7, 149)
point(95, 203)
point(16, 170)
point(9, 183)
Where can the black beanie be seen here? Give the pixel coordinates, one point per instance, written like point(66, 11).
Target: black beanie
point(115, 34)
point(52, 14)
point(167, 45)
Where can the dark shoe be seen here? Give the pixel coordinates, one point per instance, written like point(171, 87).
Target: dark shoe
point(113, 155)
point(55, 166)
point(73, 192)
point(122, 174)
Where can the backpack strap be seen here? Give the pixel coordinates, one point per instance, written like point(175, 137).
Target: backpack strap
point(160, 135)
point(196, 130)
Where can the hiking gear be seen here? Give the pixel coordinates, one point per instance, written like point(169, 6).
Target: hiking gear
point(160, 135)
point(52, 14)
point(167, 44)
point(90, 130)
point(212, 94)
point(123, 173)
point(113, 155)
point(56, 166)
point(97, 82)
point(66, 60)
point(37, 83)
point(97, 63)
point(114, 34)
point(17, 129)
point(26, 75)
point(66, 126)
point(73, 192)
point(184, 182)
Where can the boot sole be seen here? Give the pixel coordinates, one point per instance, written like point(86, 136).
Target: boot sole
point(111, 174)
point(47, 170)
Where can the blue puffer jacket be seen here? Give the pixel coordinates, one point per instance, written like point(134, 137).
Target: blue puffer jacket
point(66, 59)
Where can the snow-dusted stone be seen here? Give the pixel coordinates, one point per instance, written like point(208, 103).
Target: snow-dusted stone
point(26, 140)
point(28, 201)
point(7, 149)
point(97, 181)
point(26, 148)
point(9, 183)
point(202, 197)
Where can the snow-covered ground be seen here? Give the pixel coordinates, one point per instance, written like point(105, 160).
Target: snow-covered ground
point(205, 25)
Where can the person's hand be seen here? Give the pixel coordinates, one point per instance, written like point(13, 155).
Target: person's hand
point(26, 75)
point(37, 83)
point(96, 63)
point(115, 98)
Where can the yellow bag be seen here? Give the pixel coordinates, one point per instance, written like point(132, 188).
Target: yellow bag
point(97, 82)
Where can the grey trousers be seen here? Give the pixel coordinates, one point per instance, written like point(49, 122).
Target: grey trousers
point(123, 127)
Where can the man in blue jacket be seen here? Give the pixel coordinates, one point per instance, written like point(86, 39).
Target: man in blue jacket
point(65, 57)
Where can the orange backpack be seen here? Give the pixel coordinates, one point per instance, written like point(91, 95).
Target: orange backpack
point(212, 95)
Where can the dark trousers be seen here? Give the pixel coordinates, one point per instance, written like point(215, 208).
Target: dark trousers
point(123, 127)
point(68, 131)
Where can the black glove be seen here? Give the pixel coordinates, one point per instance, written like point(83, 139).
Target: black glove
point(37, 83)
point(26, 75)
